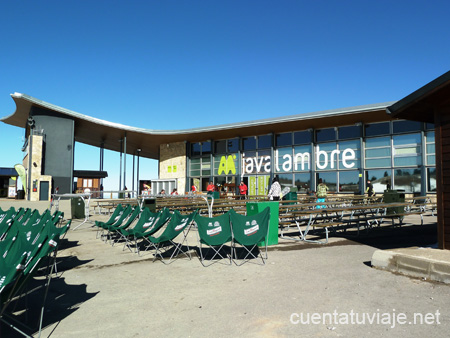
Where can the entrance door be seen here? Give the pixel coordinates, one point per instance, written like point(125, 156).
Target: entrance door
point(258, 185)
point(43, 190)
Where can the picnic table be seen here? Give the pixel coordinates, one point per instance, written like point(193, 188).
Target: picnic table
point(344, 216)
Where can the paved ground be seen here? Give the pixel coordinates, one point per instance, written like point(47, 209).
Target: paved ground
point(303, 290)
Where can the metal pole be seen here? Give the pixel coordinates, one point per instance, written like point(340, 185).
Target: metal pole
point(137, 173)
point(120, 170)
point(132, 180)
point(125, 161)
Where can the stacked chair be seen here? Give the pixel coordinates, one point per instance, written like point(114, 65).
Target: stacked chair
point(224, 239)
point(244, 233)
point(27, 239)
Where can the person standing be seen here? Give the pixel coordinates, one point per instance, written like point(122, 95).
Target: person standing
point(243, 189)
point(321, 194)
point(369, 189)
point(275, 190)
point(210, 187)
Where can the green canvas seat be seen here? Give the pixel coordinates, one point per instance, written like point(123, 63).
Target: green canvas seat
point(114, 217)
point(113, 230)
point(149, 223)
point(178, 224)
point(214, 232)
point(248, 231)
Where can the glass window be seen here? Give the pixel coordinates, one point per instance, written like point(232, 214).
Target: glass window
point(407, 139)
point(349, 181)
point(264, 141)
point(283, 140)
point(206, 166)
point(249, 143)
point(302, 137)
point(430, 148)
point(206, 148)
point(329, 178)
point(429, 126)
point(381, 179)
point(349, 132)
point(326, 156)
point(406, 126)
point(233, 145)
point(303, 182)
point(285, 180)
point(407, 180)
point(302, 158)
point(220, 147)
point(195, 167)
point(284, 160)
point(407, 150)
point(352, 153)
point(324, 135)
point(378, 142)
point(378, 152)
point(431, 179)
point(378, 162)
point(195, 149)
point(376, 129)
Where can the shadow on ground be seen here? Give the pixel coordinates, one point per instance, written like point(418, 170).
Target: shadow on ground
point(62, 299)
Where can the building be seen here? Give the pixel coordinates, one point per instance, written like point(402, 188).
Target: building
point(344, 147)
point(431, 104)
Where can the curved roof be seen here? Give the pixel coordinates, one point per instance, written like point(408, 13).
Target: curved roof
point(95, 132)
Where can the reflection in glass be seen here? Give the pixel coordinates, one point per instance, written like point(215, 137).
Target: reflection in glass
point(431, 179)
point(349, 181)
point(329, 178)
point(380, 179)
point(303, 182)
point(408, 180)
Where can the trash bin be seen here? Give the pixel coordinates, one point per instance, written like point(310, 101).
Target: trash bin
point(393, 196)
point(290, 196)
point(20, 194)
point(77, 207)
point(214, 194)
point(254, 208)
point(150, 203)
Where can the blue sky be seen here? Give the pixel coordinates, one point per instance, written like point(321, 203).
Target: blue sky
point(183, 64)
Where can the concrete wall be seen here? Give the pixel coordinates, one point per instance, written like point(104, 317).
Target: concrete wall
point(57, 148)
point(36, 167)
point(172, 164)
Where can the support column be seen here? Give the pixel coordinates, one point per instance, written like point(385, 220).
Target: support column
point(125, 161)
point(120, 162)
point(137, 173)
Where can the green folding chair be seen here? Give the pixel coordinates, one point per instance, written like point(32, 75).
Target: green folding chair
point(114, 217)
point(148, 224)
point(163, 244)
point(248, 232)
point(214, 232)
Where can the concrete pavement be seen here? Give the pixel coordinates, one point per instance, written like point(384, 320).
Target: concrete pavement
point(303, 290)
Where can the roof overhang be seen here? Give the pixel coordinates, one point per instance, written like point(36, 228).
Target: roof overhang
point(90, 174)
point(424, 102)
point(96, 132)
